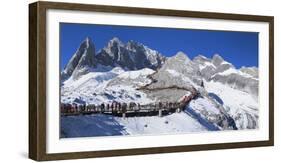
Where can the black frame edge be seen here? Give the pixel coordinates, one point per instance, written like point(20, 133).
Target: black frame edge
point(32, 114)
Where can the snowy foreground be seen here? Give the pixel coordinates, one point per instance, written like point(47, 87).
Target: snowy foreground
point(192, 119)
point(107, 125)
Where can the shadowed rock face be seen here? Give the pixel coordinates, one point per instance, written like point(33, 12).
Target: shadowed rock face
point(130, 56)
point(178, 70)
point(217, 60)
point(82, 60)
point(174, 79)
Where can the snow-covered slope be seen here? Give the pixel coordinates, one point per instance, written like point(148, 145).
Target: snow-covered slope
point(105, 87)
point(107, 125)
point(242, 106)
point(235, 89)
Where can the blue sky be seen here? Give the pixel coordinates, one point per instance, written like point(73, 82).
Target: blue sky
point(239, 48)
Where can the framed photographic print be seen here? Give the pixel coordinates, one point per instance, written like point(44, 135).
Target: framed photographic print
point(112, 81)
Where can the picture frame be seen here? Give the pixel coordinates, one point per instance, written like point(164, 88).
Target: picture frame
point(38, 79)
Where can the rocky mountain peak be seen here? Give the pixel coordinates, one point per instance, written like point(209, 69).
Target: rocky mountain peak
point(88, 41)
point(130, 56)
point(182, 56)
point(115, 41)
point(133, 45)
point(217, 60)
point(83, 57)
point(181, 63)
point(253, 71)
point(113, 45)
point(201, 58)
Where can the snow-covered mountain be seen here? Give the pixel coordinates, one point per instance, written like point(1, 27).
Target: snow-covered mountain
point(82, 61)
point(130, 56)
point(236, 88)
point(252, 71)
point(106, 87)
point(219, 70)
point(132, 72)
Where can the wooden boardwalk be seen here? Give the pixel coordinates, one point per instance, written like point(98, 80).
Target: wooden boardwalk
point(118, 109)
point(128, 109)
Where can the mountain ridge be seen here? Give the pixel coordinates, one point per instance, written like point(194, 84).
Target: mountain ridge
point(115, 73)
point(130, 56)
point(135, 56)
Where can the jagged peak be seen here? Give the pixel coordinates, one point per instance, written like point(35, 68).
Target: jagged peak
point(82, 57)
point(179, 57)
point(182, 55)
point(116, 39)
point(217, 57)
point(134, 42)
point(131, 44)
point(201, 58)
point(87, 41)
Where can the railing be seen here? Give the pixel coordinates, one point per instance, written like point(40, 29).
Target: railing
point(118, 109)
